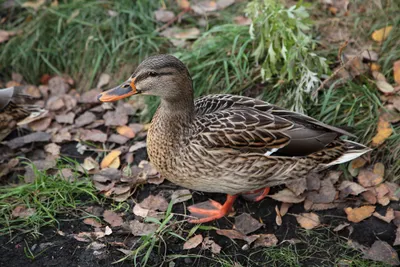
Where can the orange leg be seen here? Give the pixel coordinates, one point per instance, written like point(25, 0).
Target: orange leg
point(211, 210)
point(256, 195)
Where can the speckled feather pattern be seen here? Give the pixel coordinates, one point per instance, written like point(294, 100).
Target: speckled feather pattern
point(10, 116)
point(220, 146)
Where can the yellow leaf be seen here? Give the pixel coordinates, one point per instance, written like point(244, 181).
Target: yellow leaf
point(115, 163)
point(126, 131)
point(375, 67)
point(381, 34)
point(108, 160)
point(358, 214)
point(308, 220)
point(396, 71)
point(383, 132)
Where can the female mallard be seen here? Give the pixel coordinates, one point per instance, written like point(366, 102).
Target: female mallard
point(14, 111)
point(226, 143)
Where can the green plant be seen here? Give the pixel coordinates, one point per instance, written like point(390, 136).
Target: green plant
point(284, 48)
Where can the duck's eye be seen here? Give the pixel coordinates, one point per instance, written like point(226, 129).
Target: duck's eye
point(153, 74)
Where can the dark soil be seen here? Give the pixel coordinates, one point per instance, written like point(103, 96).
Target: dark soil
point(53, 249)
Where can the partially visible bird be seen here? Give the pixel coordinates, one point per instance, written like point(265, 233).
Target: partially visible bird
point(15, 111)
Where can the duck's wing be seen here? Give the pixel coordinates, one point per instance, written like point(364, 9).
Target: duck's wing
point(252, 125)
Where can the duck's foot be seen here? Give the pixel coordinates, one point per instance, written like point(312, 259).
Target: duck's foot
point(211, 210)
point(256, 195)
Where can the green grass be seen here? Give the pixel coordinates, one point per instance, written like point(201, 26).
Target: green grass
point(48, 195)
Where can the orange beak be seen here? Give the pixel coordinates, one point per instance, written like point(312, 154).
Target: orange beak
point(126, 89)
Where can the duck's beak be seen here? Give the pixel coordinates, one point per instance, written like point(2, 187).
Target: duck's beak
point(126, 89)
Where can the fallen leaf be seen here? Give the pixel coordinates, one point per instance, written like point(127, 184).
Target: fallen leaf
point(154, 203)
point(370, 196)
point(66, 118)
point(22, 212)
point(394, 191)
point(90, 97)
point(84, 119)
point(235, 234)
point(242, 20)
point(367, 178)
point(278, 218)
point(389, 216)
point(375, 67)
point(103, 80)
point(247, 224)
point(34, 4)
point(115, 118)
point(340, 227)
point(193, 242)
point(119, 139)
point(352, 188)
point(222, 4)
point(183, 4)
point(358, 214)
point(396, 71)
point(211, 245)
point(141, 229)
point(137, 146)
point(180, 195)
point(266, 240)
point(205, 6)
point(115, 163)
point(96, 246)
point(369, 55)
point(92, 222)
point(326, 193)
point(284, 208)
point(107, 230)
point(163, 15)
point(5, 36)
point(379, 169)
point(126, 131)
point(287, 196)
point(40, 125)
point(90, 164)
point(28, 139)
point(381, 34)
point(93, 135)
point(384, 87)
point(308, 220)
point(107, 160)
point(112, 218)
point(139, 211)
point(383, 252)
point(52, 149)
point(58, 86)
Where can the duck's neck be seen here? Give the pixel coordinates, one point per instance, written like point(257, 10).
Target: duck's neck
point(177, 111)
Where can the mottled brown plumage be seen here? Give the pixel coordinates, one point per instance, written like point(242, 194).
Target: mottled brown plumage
point(14, 110)
point(226, 143)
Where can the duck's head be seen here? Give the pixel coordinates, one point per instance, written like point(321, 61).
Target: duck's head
point(162, 75)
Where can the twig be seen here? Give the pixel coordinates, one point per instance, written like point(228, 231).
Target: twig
point(315, 93)
point(177, 17)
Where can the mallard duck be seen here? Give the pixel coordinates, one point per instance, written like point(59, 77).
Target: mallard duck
point(14, 111)
point(228, 143)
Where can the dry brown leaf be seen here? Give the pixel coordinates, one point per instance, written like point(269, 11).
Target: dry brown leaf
point(40, 125)
point(358, 214)
point(22, 212)
point(265, 240)
point(141, 229)
point(52, 149)
point(222, 4)
point(157, 202)
point(115, 118)
point(90, 164)
point(119, 139)
point(384, 87)
point(183, 4)
point(204, 6)
point(352, 188)
point(379, 169)
point(367, 178)
point(193, 242)
point(180, 195)
point(115, 163)
point(112, 218)
point(278, 218)
point(103, 80)
point(90, 97)
point(34, 4)
point(308, 220)
point(383, 252)
point(92, 222)
point(126, 131)
point(370, 196)
point(284, 208)
point(211, 245)
point(394, 191)
point(246, 224)
point(389, 216)
point(234, 234)
point(396, 71)
point(287, 196)
point(93, 135)
point(381, 190)
point(242, 20)
point(326, 193)
point(163, 15)
point(28, 139)
point(375, 67)
point(66, 118)
point(381, 34)
point(139, 211)
point(85, 119)
point(106, 162)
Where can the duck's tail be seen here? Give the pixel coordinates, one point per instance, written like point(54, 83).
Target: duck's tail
point(353, 150)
